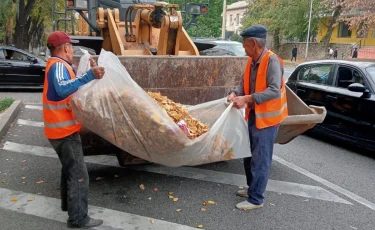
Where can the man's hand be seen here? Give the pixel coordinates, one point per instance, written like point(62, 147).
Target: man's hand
point(231, 97)
point(92, 63)
point(240, 102)
point(98, 72)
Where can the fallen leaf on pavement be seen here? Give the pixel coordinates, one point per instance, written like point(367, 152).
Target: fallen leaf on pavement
point(149, 198)
point(23, 182)
point(170, 197)
point(156, 189)
point(211, 202)
point(240, 187)
point(170, 193)
point(175, 199)
point(142, 187)
point(117, 176)
point(30, 199)
point(203, 209)
point(272, 204)
point(152, 221)
point(99, 178)
point(24, 161)
point(204, 203)
point(200, 226)
point(3, 181)
point(178, 210)
point(14, 199)
point(23, 178)
point(39, 182)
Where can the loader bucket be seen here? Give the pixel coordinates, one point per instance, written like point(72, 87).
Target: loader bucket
point(192, 80)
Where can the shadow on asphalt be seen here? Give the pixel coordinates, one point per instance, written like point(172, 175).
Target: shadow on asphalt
point(342, 144)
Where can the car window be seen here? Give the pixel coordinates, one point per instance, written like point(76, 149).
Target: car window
point(371, 71)
point(16, 56)
point(316, 74)
point(2, 55)
point(347, 76)
point(237, 49)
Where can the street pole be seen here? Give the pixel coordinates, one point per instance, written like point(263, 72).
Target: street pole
point(224, 19)
point(308, 31)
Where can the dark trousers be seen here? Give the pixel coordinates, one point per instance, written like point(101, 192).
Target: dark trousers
point(257, 167)
point(74, 178)
point(295, 57)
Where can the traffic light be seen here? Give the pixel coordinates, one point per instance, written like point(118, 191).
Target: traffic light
point(197, 8)
point(77, 4)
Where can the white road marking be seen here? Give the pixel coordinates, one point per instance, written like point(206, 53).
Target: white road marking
point(330, 185)
point(49, 208)
point(290, 188)
point(30, 123)
point(37, 107)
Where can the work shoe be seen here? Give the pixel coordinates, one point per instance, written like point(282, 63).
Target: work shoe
point(243, 193)
point(92, 223)
point(247, 205)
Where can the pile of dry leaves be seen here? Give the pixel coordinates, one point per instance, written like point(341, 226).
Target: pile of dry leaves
point(181, 116)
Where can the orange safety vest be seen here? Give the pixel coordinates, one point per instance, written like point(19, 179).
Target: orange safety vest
point(59, 121)
point(272, 112)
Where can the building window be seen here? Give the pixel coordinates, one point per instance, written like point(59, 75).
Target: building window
point(231, 20)
point(344, 31)
point(238, 19)
point(361, 34)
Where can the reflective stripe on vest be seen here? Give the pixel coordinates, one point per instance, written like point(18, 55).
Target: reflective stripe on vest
point(272, 112)
point(61, 124)
point(59, 121)
point(54, 107)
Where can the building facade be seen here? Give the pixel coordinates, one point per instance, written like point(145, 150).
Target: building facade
point(342, 35)
point(234, 14)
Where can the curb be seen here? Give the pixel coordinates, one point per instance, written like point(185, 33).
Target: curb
point(8, 117)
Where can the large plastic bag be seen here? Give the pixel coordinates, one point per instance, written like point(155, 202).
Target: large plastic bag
point(84, 63)
point(120, 111)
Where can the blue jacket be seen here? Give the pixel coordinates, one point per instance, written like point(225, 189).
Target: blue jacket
point(60, 86)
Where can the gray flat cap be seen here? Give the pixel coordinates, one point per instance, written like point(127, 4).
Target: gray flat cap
point(255, 31)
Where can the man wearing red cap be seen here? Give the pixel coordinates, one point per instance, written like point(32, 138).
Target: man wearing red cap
point(62, 129)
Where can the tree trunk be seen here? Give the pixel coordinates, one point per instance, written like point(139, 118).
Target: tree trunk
point(276, 40)
point(330, 26)
point(21, 24)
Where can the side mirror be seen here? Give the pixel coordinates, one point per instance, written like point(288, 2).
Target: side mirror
point(34, 61)
point(356, 87)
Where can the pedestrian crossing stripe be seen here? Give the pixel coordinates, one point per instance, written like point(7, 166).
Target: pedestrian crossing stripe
point(49, 208)
point(301, 190)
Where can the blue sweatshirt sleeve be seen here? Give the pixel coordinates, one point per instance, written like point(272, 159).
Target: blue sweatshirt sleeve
point(63, 84)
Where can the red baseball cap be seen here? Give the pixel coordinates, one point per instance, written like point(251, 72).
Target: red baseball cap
point(57, 38)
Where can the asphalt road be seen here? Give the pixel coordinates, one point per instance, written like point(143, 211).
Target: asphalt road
point(314, 184)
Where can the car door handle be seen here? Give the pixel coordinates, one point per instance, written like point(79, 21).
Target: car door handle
point(331, 97)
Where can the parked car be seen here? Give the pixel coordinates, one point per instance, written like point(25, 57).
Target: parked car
point(20, 68)
point(216, 47)
point(346, 89)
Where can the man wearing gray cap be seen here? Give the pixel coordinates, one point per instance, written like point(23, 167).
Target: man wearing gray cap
point(262, 91)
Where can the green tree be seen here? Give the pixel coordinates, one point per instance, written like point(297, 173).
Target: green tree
point(285, 18)
point(208, 25)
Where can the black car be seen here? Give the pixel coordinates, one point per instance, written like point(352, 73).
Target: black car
point(20, 68)
point(346, 89)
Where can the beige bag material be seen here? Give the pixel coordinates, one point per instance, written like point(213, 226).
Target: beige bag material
point(120, 111)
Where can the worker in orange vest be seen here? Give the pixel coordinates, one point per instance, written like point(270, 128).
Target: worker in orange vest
point(62, 129)
point(262, 91)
